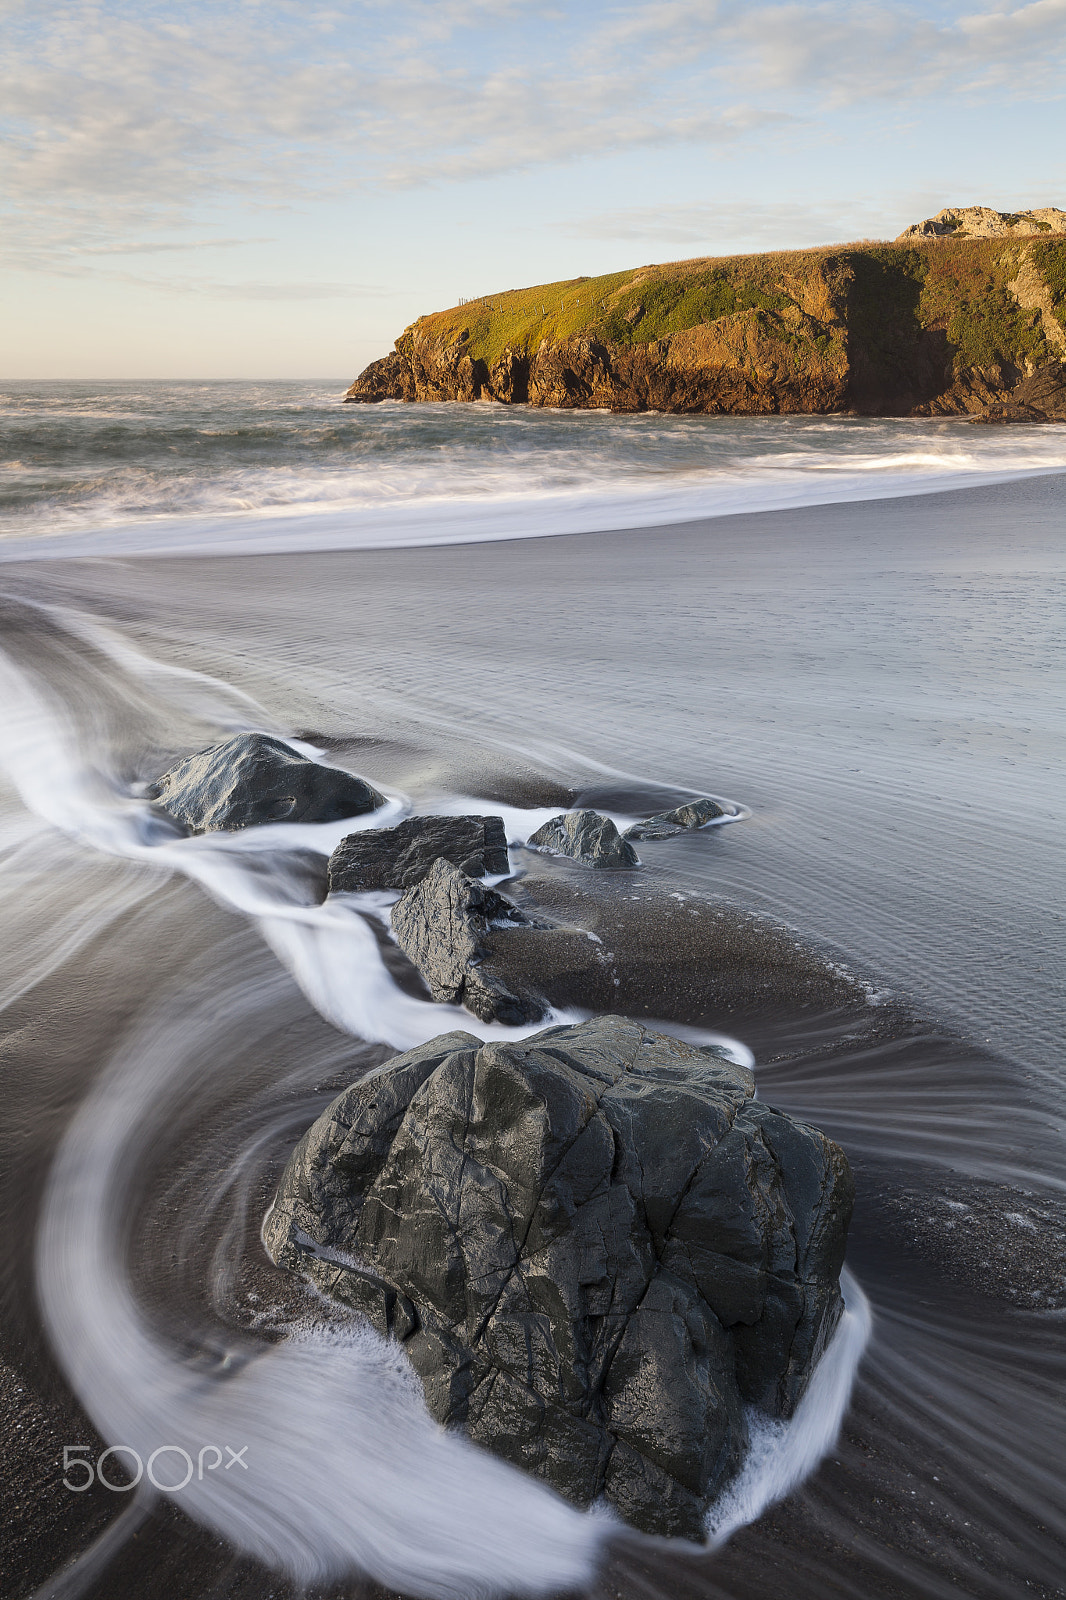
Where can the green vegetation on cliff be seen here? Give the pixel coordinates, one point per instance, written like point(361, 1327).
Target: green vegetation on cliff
point(1050, 261)
point(624, 308)
point(955, 286)
point(943, 325)
point(965, 290)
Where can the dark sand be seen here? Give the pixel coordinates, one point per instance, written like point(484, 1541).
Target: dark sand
point(882, 684)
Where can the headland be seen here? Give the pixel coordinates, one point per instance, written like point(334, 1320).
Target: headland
point(948, 320)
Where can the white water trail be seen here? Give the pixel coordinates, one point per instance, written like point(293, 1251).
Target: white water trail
point(346, 1470)
point(329, 949)
point(782, 1454)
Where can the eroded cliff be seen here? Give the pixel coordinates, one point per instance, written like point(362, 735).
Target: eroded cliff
point(930, 326)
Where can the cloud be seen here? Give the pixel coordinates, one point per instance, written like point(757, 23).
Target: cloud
point(217, 290)
point(144, 247)
point(739, 225)
point(840, 53)
point(123, 120)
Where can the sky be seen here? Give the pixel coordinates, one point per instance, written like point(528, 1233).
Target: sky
point(276, 188)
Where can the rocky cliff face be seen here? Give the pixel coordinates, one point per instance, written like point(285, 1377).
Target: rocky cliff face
point(944, 325)
point(738, 364)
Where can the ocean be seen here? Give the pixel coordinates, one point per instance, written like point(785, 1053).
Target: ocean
point(212, 467)
point(848, 629)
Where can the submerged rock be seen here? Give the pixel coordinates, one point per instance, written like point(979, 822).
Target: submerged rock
point(667, 823)
point(595, 1245)
point(397, 858)
point(253, 778)
point(441, 925)
point(587, 837)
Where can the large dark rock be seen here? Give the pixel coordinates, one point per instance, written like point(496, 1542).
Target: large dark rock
point(397, 858)
point(587, 837)
point(665, 824)
point(252, 779)
point(442, 926)
point(595, 1245)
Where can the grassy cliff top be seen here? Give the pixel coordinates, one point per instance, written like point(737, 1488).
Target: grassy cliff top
point(963, 286)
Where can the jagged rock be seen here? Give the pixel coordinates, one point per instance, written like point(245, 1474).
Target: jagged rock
point(595, 1245)
point(251, 779)
point(972, 391)
point(1038, 398)
point(587, 837)
point(982, 222)
point(666, 823)
point(390, 378)
point(399, 857)
point(509, 379)
point(441, 925)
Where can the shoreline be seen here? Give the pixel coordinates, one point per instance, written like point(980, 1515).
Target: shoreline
point(458, 521)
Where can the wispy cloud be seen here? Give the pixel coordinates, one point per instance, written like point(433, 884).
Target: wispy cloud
point(836, 52)
point(215, 289)
point(154, 247)
point(122, 121)
point(733, 226)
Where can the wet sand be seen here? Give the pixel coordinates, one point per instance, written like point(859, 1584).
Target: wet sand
point(882, 685)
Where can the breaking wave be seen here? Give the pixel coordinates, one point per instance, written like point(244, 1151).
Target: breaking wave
point(182, 468)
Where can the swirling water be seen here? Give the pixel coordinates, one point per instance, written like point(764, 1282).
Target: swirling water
point(878, 684)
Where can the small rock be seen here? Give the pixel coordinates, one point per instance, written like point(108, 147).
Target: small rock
point(398, 858)
point(441, 925)
point(586, 837)
point(252, 779)
point(666, 823)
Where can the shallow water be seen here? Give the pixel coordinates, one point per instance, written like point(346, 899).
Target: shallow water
point(880, 683)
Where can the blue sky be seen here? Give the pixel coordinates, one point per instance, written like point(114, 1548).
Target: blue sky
point(276, 188)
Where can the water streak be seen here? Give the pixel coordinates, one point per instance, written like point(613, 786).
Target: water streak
point(346, 1471)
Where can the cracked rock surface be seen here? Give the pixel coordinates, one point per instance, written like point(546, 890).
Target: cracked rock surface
point(252, 779)
point(443, 924)
point(587, 837)
point(399, 857)
point(595, 1245)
